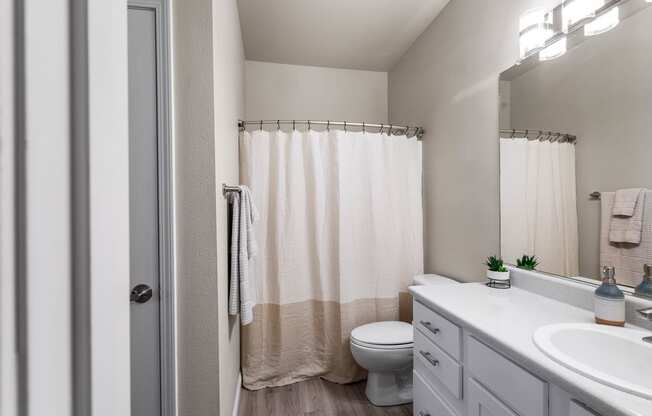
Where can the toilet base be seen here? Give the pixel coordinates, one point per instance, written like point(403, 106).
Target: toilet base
point(391, 388)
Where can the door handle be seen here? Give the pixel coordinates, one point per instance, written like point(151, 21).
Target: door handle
point(429, 358)
point(429, 327)
point(140, 293)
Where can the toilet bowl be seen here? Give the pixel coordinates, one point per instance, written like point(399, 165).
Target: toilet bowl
point(385, 350)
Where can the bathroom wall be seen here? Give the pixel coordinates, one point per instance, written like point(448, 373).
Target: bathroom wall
point(447, 82)
point(296, 92)
point(208, 101)
point(601, 92)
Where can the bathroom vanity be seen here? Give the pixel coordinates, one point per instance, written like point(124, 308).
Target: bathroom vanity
point(474, 355)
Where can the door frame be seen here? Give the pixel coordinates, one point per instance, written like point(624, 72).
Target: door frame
point(166, 246)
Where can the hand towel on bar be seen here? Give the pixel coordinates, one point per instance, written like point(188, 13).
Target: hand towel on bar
point(625, 202)
point(628, 259)
point(623, 229)
point(242, 286)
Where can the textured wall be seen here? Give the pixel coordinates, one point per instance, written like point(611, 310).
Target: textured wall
point(448, 83)
point(295, 92)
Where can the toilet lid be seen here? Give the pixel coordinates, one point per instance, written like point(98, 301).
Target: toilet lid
point(384, 333)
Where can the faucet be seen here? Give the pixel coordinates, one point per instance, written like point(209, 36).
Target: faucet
point(646, 313)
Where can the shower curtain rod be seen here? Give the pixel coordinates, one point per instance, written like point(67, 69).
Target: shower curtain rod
point(540, 135)
point(388, 128)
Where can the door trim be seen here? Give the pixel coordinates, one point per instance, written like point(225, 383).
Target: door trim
point(167, 265)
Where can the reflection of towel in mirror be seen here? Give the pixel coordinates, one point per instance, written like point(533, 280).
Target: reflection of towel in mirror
point(627, 258)
point(627, 216)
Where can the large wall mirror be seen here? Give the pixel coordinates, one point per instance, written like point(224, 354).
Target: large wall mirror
point(576, 150)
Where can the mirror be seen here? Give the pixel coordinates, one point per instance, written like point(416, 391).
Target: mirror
point(575, 141)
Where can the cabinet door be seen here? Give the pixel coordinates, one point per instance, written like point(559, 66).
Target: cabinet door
point(483, 403)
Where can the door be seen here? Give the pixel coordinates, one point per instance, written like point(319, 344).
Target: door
point(483, 403)
point(144, 213)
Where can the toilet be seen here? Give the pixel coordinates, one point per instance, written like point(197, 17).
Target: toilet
point(385, 350)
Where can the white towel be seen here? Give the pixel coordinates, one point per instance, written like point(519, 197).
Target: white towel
point(628, 259)
point(623, 228)
point(242, 286)
point(625, 202)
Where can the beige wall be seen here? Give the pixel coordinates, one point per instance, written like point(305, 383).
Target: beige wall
point(601, 92)
point(296, 92)
point(208, 100)
point(447, 82)
point(228, 99)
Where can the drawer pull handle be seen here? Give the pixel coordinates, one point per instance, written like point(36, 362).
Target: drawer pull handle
point(429, 327)
point(424, 413)
point(429, 358)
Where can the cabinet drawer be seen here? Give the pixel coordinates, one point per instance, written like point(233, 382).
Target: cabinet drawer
point(437, 364)
point(482, 403)
point(520, 390)
point(427, 402)
point(440, 330)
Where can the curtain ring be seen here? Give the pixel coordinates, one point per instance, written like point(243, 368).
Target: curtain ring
point(364, 129)
point(513, 133)
point(538, 135)
point(407, 131)
point(381, 129)
point(526, 133)
point(308, 125)
point(345, 126)
point(278, 124)
point(261, 125)
point(294, 126)
point(389, 132)
point(328, 125)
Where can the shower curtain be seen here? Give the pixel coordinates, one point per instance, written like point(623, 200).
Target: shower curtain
point(340, 237)
point(538, 206)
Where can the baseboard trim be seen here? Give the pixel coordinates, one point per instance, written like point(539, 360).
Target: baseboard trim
point(236, 400)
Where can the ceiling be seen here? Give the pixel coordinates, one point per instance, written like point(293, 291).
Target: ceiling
point(355, 34)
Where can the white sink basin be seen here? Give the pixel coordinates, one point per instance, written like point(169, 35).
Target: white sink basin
point(613, 356)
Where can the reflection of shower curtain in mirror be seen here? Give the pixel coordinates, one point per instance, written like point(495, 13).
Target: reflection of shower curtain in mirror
point(538, 206)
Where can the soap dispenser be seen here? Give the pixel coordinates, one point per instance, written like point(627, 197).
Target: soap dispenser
point(609, 300)
point(645, 288)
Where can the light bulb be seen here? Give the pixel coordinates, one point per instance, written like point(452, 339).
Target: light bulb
point(602, 24)
point(535, 27)
point(574, 11)
point(554, 50)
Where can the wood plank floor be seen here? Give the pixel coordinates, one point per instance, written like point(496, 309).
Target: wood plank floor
point(315, 397)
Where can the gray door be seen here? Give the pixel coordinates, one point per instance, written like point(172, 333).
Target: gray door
point(144, 214)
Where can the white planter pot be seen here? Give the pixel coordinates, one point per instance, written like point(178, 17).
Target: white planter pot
point(502, 276)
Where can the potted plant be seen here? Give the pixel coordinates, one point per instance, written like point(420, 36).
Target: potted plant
point(496, 269)
point(527, 262)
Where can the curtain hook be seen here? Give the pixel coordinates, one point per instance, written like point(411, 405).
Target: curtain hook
point(407, 131)
point(345, 127)
point(389, 132)
point(526, 133)
point(381, 129)
point(278, 124)
point(308, 125)
point(261, 125)
point(294, 126)
point(328, 125)
point(364, 129)
point(513, 133)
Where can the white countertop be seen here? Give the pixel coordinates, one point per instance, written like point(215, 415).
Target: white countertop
point(507, 319)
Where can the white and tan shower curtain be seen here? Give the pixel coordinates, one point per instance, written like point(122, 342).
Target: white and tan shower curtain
point(340, 237)
point(538, 205)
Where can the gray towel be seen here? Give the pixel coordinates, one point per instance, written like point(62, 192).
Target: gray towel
point(242, 287)
point(624, 228)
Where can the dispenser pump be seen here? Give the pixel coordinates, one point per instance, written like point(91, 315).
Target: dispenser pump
point(644, 289)
point(609, 300)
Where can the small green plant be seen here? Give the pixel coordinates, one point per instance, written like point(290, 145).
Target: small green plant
point(495, 264)
point(527, 262)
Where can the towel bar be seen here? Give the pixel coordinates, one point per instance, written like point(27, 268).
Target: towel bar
point(228, 188)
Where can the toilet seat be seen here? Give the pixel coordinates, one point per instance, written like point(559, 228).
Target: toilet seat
point(387, 335)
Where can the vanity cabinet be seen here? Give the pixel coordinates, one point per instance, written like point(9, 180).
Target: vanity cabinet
point(458, 374)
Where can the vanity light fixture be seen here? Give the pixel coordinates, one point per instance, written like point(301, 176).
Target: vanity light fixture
point(535, 27)
point(603, 23)
point(575, 11)
point(554, 50)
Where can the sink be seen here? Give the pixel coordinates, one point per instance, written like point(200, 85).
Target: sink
point(614, 356)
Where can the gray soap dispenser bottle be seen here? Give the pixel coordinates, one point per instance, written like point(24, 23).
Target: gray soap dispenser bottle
point(609, 300)
point(645, 288)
